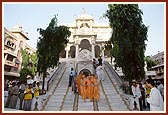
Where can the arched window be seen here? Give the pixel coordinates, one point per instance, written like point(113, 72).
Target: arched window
point(21, 44)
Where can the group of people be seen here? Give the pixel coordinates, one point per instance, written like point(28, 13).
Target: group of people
point(148, 95)
point(98, 68)
point(21, 92)
point(87, 86)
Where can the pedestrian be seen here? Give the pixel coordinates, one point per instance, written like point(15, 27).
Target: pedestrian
point(96, 89)
point(71, 75)
point(9, 96)
point(28, 96)
point(14, 95)
point(21, 93)
point(78, 79)
point(74, 84)
point(83, 84)
point(160, 87)
point(94, 64)
point(100, 61)
point(136, 95)
point(143, 98)
point(155, 99)
point(99, 72)
point(37, 89)
point(147, 94)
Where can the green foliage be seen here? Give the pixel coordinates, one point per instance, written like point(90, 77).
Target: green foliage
point(129, 33)
point(51, 42)
point(33, 59)
point(23, 73)
point(28, 69)
point(150, 63)
point(25, 58)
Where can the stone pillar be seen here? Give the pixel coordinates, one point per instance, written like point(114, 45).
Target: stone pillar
point(76, 53)
point(93, 45)
point(66, 54)
point(102, 48)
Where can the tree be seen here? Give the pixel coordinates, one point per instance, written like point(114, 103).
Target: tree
point(51, 42)
point(129, 33)
point(29, 63)
point(150, 63)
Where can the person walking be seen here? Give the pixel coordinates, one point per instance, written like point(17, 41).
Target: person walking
point(155, 99)
point(98, 72)
point(100, 61)
point(94, 65)
point(71, 75)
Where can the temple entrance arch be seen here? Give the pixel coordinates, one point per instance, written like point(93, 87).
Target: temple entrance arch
point(72, 52)
point(85, 44)
point(97, 51)
point(85, 71)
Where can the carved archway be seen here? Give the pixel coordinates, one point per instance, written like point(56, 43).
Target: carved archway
point(85, 44)
point(97, 51)
point(63, 54)
point(72, 51)
point(85, 71)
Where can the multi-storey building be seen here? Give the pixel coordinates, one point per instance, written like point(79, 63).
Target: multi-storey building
point(159, 68)
point(14, 40)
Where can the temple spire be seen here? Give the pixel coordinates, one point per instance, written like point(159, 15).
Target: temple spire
point(84, 11)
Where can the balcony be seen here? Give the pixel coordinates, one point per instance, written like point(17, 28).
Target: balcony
point(9, 63)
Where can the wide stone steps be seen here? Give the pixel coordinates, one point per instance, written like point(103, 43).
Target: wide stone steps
point(63, 98)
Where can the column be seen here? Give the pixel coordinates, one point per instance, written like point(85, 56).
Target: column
point(66, 53)
point(93, 45)
point(102, 48)
point(76, 51)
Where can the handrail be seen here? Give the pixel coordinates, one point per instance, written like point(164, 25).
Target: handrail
point(52, 78)
point(116, 74)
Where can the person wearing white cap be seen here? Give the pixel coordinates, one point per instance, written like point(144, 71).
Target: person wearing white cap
point(136, 95)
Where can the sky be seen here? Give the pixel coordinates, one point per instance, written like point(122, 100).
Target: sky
point(38, 15)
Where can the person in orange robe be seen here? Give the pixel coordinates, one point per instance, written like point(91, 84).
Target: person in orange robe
point(96, 91)
point(83, 87)
point(91, 87)
point(78, 82)
point(88, 88)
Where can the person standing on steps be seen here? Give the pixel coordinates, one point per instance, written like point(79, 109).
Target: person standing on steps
point(71, 75)
point(100, 61)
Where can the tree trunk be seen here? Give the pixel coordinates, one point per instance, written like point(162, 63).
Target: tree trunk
point(44, 76)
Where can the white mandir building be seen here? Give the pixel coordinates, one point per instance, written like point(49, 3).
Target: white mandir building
point(87, 39)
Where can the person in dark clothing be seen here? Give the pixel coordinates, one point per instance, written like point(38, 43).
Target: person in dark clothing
point(71, 75)
point(100, 61)
point(142, 89)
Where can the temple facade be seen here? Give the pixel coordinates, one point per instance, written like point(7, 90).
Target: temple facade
point(87, 39)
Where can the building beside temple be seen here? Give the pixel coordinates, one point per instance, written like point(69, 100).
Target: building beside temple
point(14, 40)
point(87, 39)
point(159, 68)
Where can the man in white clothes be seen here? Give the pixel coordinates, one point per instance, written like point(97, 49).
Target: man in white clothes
point(136, 95)
point(155, 99)
point(98, 72)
